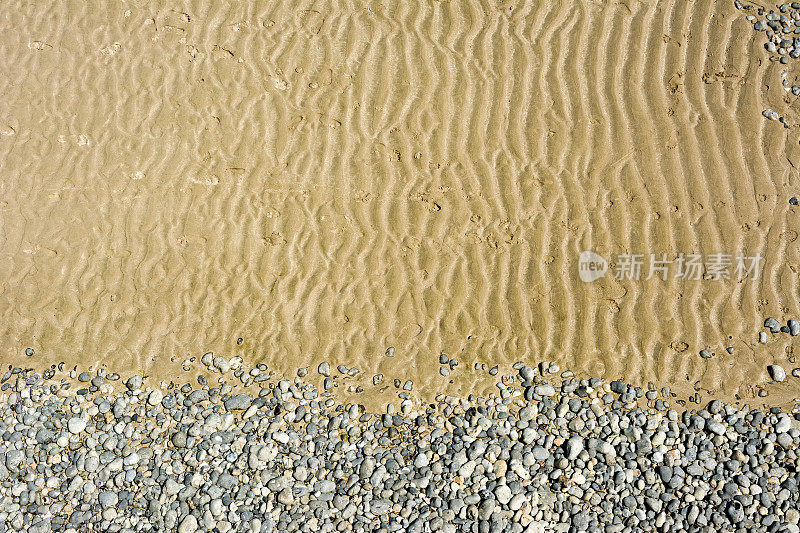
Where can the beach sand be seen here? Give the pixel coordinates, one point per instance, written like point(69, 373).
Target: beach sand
point(326, 180)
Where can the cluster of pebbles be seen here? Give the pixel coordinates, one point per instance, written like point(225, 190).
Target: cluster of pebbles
point(792, 327)
point(537, 456)
point(782, 29)
point(771, 324)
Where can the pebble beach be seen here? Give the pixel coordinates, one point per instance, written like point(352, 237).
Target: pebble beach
point(548, 452)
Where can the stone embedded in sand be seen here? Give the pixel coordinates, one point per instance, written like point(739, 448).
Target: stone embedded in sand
point(134, 383)
point(221, 364)
point(773, 325)
point(776, 372)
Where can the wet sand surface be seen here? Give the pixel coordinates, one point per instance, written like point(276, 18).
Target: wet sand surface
point(326, 180)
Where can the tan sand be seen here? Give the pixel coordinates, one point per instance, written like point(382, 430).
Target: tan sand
point(328, 179)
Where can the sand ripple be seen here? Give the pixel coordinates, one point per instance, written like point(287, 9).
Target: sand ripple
point(327, 179)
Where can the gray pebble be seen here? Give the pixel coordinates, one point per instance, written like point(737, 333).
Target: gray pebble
point(772, 324)
point(134, 383)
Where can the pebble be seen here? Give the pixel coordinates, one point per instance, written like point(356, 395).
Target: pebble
point(777, 373)
point(76, 425)
point(155, 397)
point(221, 364)
point(574, 447)
point(134, 383)
point(772, 324)
point(503, 494)
point(188, 525)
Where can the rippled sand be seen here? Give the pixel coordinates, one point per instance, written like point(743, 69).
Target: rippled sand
point(328, 179)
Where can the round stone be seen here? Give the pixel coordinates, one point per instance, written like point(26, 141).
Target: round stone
point(155, 397)
point(776, 372)
point(76, 425)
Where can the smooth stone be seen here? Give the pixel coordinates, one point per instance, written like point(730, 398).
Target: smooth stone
point(221, 364)
point(134, 383)
point(76, 425)
point(574, 446)
point(188, 525)
point(108, 498)
point(503, 494)
point(238, 402)
point(777, 373)
point(286, 497)
point(155, 397)
point(784, 424)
